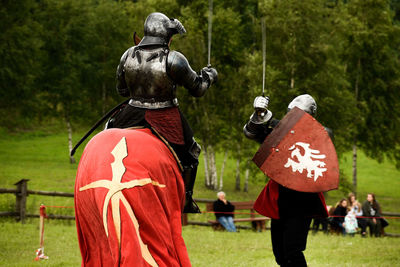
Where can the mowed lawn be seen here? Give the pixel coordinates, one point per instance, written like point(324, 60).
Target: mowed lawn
point(205, 247)
point(43, 159)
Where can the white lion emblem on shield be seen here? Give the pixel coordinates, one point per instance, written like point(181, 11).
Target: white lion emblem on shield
point(315, 168)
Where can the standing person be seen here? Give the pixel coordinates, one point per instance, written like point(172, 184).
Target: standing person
point(290, 211)
point(371, 210)
point(355, 207)
point(224, 212)
point(339, 214)
point(149, 74)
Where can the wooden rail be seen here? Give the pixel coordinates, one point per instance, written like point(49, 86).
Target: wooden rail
point(21, 193)
point(186, 221)
point(50, 193)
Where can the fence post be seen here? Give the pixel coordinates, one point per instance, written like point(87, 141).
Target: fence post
point(22, 193)
point(184, 219)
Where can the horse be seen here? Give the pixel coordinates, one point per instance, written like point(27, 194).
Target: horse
point(129, 196)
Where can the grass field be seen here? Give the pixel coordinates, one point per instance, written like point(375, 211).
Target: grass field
point(206, 248)
point(42, 158)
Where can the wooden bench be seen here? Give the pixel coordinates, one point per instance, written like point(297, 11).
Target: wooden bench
point(258, 222)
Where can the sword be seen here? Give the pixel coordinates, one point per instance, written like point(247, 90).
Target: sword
point(264, 51)
point(210, 13)
point(262, 112)
point(94, 127)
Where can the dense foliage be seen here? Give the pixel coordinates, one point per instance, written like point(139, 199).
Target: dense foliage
point(58, 61)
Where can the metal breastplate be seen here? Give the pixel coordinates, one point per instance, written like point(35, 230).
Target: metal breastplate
point(147, 79)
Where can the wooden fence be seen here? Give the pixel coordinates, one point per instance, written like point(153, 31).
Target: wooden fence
point(22, 192)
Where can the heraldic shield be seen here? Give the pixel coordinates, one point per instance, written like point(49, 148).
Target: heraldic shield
point(299, 154)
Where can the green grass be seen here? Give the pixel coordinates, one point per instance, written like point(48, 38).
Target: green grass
point(206, 247)
point(19, 243)
point(381, 179)
point(247, 248)
point(43, 159)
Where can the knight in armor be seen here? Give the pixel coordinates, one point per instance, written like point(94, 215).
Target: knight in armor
point(149, 74)
point(290, 211)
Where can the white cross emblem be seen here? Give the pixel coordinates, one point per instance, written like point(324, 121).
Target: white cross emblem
point(115, 195)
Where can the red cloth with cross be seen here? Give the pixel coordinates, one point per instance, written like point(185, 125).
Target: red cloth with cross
point(129, 196)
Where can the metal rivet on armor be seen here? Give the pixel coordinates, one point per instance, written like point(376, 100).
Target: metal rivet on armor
point(277, 150)
point(292, 131)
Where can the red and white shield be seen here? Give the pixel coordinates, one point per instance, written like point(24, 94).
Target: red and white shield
point(299, 154)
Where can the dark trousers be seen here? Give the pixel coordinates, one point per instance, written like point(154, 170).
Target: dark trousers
point(320, 221)
point(362, 224)
point(289, 240)
point(374, 228)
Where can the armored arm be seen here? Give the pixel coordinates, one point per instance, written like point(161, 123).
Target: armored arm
point(181, 73)
point(261, 122)
point(122, 87)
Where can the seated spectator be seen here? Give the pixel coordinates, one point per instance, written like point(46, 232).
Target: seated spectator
point(338, 215)
point(355, 207)
point(350, 223)
point(371, 210)
point(224, 212)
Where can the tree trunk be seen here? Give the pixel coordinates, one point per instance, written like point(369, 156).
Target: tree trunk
point(207, 147)
point(213, 169)
point(69, 129)
point(237, 186)
point(355, 139)
point(357, 80)
point(293, 70)
point(292, 79)
point(221, 177)
point(246, 178)
point(206, 174)
point(355, 168)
